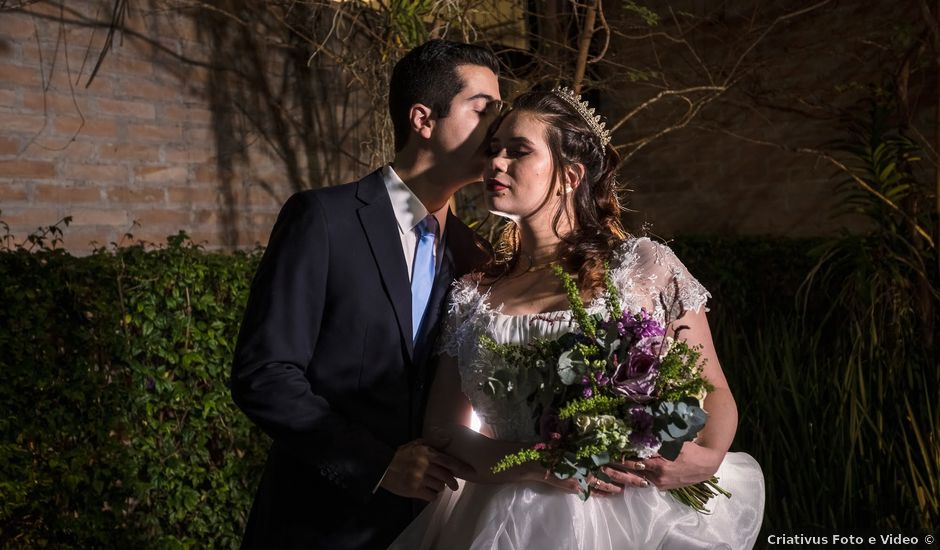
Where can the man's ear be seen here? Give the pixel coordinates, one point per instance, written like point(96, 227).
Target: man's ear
point(573, 174)
point(420, 118)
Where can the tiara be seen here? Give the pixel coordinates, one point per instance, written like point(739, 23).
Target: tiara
point(586, 112)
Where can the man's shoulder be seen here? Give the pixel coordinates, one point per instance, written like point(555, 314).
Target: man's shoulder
point(334, 195)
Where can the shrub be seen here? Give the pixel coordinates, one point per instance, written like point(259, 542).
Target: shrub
point(116, 425)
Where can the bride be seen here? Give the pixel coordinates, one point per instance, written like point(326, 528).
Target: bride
point(551, 173)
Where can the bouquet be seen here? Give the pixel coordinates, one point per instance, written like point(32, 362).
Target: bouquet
point(618, 387)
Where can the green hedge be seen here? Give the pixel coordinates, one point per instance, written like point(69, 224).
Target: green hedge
point(117, 429)
point(116, 425)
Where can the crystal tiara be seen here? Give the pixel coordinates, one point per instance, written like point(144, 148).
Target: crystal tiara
point(586, 112)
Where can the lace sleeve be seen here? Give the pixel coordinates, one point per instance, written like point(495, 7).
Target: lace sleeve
point(651, 272)
point(463, 301)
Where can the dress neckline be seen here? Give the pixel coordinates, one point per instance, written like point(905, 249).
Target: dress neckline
point(497, 311)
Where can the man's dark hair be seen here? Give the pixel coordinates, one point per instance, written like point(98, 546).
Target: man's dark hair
point(428, 75)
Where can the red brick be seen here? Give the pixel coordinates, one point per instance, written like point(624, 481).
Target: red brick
point(136, 194)
point(130, 151)
point(162, 174)
point(99, 217)
point(207, 173)
point(199, 134)
point(192, 195)
point(56, 148)
point(62, 103)
point(96, 172)
point(50, 9)
point(30, 219)
point(93, 127)
point(23, 123)
point(15, 76)
point(7, 99)
point(16, 26)
point(206, 217)
point(173, 218)
point(144, 89)
point(9, 146)
point(13, 192)
point(192, 155)
point(263, 221)
point(119, 107)
point(66, 194)
point(28, 53)
point(255, 196)
point(186, 114)
point(124, 65)
point(152, 132)
point(26, 169)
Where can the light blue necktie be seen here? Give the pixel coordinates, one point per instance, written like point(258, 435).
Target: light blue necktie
point(422, 272)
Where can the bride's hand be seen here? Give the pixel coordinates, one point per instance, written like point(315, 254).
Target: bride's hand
point(694, 464)
point(599, 488)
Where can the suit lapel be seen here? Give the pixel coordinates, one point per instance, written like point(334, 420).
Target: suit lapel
point(379, 223)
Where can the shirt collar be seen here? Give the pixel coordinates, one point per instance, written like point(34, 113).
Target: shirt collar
point(408, 208)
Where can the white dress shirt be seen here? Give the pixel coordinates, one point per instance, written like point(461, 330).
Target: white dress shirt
point(409, 211)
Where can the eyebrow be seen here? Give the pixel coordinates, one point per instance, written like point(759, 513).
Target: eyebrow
point(516, 139)
point(487, 97)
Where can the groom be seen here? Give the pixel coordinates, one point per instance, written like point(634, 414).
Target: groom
point(332, 356)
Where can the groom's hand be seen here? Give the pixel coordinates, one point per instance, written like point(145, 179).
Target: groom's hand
point(419, 471)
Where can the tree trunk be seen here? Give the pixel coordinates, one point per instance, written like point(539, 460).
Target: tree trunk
point(584, 44)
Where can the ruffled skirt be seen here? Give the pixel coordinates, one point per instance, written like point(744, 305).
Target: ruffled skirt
point(523, 516)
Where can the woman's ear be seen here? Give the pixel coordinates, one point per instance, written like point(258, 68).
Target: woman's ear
point(420, 118)
point(573, 175)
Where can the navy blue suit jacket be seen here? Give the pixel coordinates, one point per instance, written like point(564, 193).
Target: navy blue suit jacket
point(326, 366)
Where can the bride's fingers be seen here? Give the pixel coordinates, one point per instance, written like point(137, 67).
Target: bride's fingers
point(605, 489)
point(626, 478)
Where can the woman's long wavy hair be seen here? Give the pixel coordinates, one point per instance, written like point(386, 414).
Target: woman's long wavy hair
point(597, 226)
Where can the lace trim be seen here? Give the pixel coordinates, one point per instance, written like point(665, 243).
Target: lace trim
point(469, 310)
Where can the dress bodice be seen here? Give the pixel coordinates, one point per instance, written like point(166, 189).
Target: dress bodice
point(647, 275)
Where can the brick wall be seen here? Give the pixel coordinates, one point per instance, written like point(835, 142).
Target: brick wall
point(146, 148)
point(134, 152)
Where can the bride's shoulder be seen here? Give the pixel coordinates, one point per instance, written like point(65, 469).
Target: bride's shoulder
point(636, 252)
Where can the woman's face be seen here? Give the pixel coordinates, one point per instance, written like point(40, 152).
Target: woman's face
point(518, 175)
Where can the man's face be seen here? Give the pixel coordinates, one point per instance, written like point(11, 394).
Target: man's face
point(457, 139)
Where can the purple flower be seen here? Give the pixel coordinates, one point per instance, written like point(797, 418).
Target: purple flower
point(550, 425)
point(651, 345)
point(641, 325)
point(635, 378)
point(641, 433)
point(588, 390)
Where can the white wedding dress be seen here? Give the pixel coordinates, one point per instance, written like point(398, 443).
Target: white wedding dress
point(532, 515)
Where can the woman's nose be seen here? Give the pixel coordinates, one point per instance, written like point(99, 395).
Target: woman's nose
point(498, 163)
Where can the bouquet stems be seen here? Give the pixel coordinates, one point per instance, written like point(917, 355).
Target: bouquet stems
point(697, 496)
